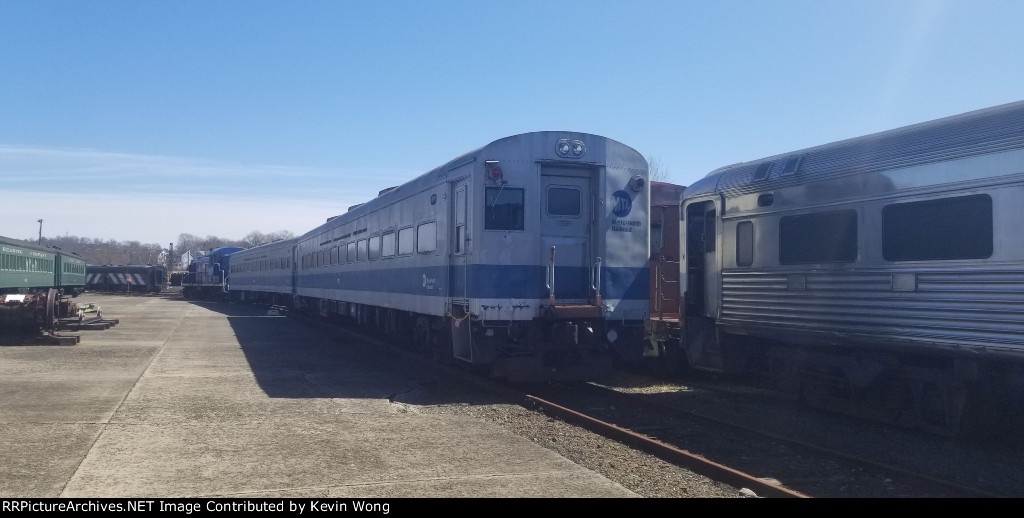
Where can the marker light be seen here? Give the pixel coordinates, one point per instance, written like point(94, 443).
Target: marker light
point(494, 173)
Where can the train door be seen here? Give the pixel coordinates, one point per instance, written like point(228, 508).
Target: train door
point(664, 268)
point(566, 233)
point(702, 282)
point(458, 272)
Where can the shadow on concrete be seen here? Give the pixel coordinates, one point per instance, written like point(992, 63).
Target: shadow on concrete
point(291, 359)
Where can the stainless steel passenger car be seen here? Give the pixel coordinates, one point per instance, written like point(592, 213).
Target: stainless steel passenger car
point(882, 275)
point(527, 256)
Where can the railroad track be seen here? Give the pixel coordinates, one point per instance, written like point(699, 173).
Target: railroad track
point(760, 453)
point(757, 458)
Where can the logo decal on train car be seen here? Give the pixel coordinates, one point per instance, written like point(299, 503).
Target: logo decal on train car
point(623, 204)
point(621, 208)
point(429, 282)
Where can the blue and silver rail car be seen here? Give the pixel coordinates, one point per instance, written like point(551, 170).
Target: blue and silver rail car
point(264, 273)
point(207, 276)
point(528, 255)
point(880, 274)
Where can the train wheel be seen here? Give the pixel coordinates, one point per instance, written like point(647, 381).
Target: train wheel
point(52, 296)
point(421, 334)
point(441, 344)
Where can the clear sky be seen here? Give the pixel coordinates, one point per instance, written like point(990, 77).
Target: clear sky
point(141, 120)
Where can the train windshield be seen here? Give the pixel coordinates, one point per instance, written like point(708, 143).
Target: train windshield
point(504, 209)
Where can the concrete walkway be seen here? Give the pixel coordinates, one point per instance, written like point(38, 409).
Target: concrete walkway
point(222, 400)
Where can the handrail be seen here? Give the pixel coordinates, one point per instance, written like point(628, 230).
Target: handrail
point(595, 281)
point(551, 278)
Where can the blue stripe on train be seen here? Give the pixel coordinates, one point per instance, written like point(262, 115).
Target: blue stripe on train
point(484, 281)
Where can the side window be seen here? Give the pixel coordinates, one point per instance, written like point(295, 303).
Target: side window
point(374, 244)
point(710, 237)
point(351, 252)
point(460, 221)
point(503, 209)
point(426, 237)
point(657, 237)
point(826, 237)
point(946, 229)
point(387, 244)
point(361, 250)
point(406, 241)
point(744, 243)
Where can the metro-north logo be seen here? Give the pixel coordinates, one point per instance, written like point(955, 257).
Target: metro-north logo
point(622, 204)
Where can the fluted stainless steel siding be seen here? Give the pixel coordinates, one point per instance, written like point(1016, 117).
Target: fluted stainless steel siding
point(958, 307)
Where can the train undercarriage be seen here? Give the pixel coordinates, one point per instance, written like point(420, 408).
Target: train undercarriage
point(45, 315)
point(944, 395)
point(539, 350)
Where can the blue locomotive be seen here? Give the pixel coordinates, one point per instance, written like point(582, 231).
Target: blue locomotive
point(206, 276)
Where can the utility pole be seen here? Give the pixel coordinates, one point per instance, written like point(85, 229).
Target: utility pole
point(40, 231)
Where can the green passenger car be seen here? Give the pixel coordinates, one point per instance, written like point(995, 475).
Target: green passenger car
point(23, 266)
point(70, 273)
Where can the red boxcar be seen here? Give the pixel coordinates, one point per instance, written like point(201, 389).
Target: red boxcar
point(663, 323)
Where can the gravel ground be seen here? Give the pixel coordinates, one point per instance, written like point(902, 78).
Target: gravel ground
point(999, 471)
point(640, 472)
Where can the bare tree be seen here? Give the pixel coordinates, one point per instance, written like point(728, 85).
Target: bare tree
point(280, 235)
point(658, 171)
point(255, 238)
point(190, 243)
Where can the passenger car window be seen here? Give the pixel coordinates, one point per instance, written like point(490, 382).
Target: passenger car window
point(387, 244)
point(426, 237)
point(374, 244)
point(950, 228)
point(824, 237)
point(406, 241)
point(744, 243)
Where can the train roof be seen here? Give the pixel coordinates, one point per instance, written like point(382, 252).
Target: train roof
point(664, 193)
point(268, 246)
point(146, 266)
point(435, 175)
point(39, 248)
point(224, 252)
point(977, 132)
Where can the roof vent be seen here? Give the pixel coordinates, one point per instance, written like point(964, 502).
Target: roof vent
point(793, 164)
point(762, 171)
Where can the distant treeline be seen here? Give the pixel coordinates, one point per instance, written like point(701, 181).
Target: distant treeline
point(100, 251)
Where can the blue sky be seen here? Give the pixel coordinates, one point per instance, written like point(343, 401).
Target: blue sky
point(141, 120)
